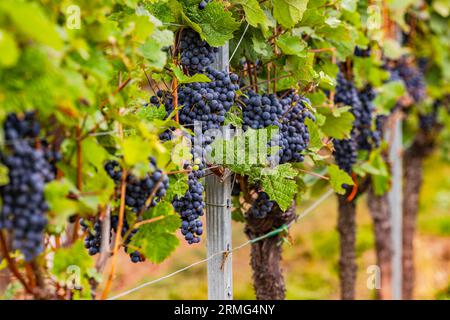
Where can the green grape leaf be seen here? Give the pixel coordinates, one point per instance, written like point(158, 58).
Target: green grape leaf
point(182, 78)
point(388, 95)
point(315, 137)
point(61, 207)
point(381, 177)
point(349, 5)
point(152, 112)
point(8, 48)
point(289, 12)
point(338, 177)
point(234, 117)
point(93, 153)
point(142, 27)
point(163, 11)
point(253, 13)
point(31, 20)
point(136, 150)
point(155, 240)
point(152, 48)
point(4, 178)
point(393, 49)
point(292, 45)
point(178, 185)
point(214, 23)
point(261, 47)
point(302, 68)
point(338, 121)
point(280, 185)
point(75, 255)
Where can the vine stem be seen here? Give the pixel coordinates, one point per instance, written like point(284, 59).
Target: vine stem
point(12, 265)
point(118, 234)
point(314, 174)
point(138, 224)
point(79, 179)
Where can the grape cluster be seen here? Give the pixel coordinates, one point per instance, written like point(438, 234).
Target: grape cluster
point(93, 239)
point(138, 191)
point(261, 111)
point(236, 190)
point(24, 205)
point(203, 3)
point(190, 208)
point(413, 79)
point(367, 138)
point(345, 152)
point(196, 54)
point(261, 206)
point(287, 113)
point(135, 256)
point(294, 135)
point(429, 120)
point(364, 53)
point(206, 102)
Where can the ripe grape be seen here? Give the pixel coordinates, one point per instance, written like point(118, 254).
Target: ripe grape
point(261, 206)
point(139, 190)
point(196, 54)
point(24, 207)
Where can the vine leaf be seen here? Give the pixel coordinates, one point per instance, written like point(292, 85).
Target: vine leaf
point(156, 240)
point(8, 48)
point(4, 178)
point(182, 78)
point(152, 112)
point(315, 139)
point(74, 261)
point(380, 177)
point(280, 185)
point(152, 48)
point(292, 45)
point(135, 150)
point(338, 178)
point(178, 185)
point(289, 12)
point(30, 19)
point(338, 121)
point(388, 95)
point(253, 13)
point(214, 24)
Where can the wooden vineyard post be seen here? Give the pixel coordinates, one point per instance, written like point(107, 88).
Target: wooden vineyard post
point(218, 222)
point(395, 201)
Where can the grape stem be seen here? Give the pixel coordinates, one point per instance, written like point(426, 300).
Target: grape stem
point(118, 234)
point(137, 225)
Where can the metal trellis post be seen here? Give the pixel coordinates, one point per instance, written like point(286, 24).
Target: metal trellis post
point(395, 199)
point(218, 222)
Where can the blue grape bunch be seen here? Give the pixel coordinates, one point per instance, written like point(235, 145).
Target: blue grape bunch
point(196, 54)
point(24, 208)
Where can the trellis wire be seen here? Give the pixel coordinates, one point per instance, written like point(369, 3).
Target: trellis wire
point(267, 235)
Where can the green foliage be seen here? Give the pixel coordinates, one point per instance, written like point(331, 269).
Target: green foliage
point(253, 13)
point(73, 265)
point(280, 185)
point(388, 95)
point(214, 24)
point(289, 12)
point(155, 239)
point(338, 122)
point(338, 178)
